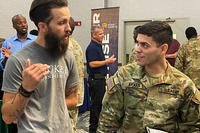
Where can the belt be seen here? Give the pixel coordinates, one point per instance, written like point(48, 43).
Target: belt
point(97, 76)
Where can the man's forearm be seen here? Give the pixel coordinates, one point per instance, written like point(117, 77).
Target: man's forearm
point(72, 103)
point(12, 109)
point(72, 98)
point(95, 64)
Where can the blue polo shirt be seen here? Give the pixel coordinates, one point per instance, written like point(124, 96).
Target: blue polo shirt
point(16, 44)
point(94, 52)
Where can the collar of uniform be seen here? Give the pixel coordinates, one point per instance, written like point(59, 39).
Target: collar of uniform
point(165, 78)
point(132, 70)
point(138, 72)
point(192, 39)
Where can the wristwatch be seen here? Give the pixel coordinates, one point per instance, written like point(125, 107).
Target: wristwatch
point(24, 92)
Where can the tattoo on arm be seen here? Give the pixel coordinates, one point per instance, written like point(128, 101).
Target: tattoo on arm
point(70, 91)
point(19, 111)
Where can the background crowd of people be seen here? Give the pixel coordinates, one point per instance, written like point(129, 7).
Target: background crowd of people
point(42, 77)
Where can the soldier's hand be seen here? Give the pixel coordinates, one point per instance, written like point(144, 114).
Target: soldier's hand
point(33, 74)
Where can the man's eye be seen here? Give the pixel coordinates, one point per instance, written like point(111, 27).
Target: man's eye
point(61, 22)
point(145, 45)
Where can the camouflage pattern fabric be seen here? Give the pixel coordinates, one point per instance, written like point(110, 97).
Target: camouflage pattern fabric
point(136, 100)
point(78, 53)
point(132, 56)
point(73, 115)
point(188, 60)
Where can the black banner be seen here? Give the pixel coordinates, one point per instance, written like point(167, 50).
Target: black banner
point(108, 18)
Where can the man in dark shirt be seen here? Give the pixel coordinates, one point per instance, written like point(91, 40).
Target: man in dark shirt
point(97, 70)
point(172, 52)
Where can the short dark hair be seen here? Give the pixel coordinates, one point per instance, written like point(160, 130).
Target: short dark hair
point(135, 33)
point(190, 32)
point(72, 25)
point(41, 10)
point(160, 31)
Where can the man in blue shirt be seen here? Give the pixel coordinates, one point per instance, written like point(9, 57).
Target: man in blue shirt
point(14, 44)
point(97, 70)
point(18, 41)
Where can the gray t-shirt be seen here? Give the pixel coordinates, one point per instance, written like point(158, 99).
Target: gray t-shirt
point(46, 110)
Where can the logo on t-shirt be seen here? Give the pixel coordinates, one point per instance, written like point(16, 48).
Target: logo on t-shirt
point(57, 71)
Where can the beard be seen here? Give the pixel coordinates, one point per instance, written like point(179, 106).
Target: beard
point(56, 46)
point(22, 32)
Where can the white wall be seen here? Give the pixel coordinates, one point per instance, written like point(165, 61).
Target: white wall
point(129, 10)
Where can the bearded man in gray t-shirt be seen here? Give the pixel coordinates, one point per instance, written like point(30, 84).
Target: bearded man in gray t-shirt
point(40, 81)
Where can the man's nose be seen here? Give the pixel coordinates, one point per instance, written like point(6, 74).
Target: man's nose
point(137, 48)
point(24, 24)
point(67, 28)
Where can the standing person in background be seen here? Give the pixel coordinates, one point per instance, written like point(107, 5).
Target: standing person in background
point(188, 60)
point(41, 80)
point(150, 96)
point(13, 45)
point(97, 71)
point(132, 55)
point(18, 41)
point(78, 53)
point(172, 52)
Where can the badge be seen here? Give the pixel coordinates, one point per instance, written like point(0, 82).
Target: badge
point(110, 83)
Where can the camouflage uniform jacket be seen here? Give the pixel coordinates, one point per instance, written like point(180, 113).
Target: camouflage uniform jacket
point(78, 53)
point(135, 100)
point(188, 60)
point(132, 56)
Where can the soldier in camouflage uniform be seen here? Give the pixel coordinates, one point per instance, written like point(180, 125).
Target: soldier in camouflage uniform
point(132, 55)
point(150, 95)
point(78, 53)
point(188, 60)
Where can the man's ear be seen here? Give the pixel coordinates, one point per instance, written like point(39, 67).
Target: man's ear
point(164, 48)
point(93, 35)
point(14, 26)
point(42, 26)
